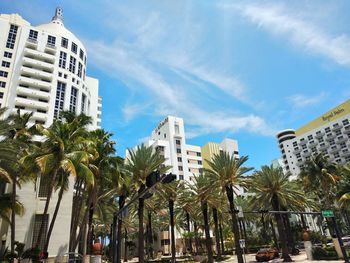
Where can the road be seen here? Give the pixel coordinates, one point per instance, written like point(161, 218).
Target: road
point(250, 258)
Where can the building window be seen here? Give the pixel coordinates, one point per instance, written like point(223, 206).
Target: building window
point(178, 142)
point(37, 225)
point(81, 54)
point(73, 100)
point(83, 103)
point(337, 132)
point(181, 177)
point(7, 54)
point(180, 168)
point(1, 95)
point(5, 64)
point(342, 145)
point(327, 129)
point(346, 122)
point(2, 84)
point(72, 62)
point(200, 162)
point(33, 35)
point(63, 60)
point(178, 150)
point(64, 42)
point(80, 69)
point(295, 144)
point(74, 48)
point(3, 74)
point(51, 41)
point(60, 92)
point(11, 38)
point(320, 140)
point(198, 154)
point(303, 146)
point(179, 159)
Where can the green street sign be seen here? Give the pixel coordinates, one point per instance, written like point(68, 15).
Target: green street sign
point(327, 213)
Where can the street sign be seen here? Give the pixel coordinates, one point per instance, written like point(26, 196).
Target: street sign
point(327, 213)
point(242, 243)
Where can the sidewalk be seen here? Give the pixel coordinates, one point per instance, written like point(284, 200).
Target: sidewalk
point(250, 258)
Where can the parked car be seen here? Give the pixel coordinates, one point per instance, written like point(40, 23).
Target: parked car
point(266, 254)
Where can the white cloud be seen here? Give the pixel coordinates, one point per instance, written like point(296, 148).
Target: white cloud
point(169, 98)
point(301, 101)
point(310, 36)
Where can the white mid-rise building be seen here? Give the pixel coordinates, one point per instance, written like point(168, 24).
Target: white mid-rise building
point(43, 71)
point(169, 137)
point(328, 134)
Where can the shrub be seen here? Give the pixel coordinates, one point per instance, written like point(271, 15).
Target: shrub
point(319, 253)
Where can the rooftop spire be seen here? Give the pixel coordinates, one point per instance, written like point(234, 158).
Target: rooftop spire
point(58, 14)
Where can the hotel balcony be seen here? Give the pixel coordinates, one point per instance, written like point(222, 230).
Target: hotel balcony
point(50, 49)
point(38, 64)
point(306, 154)
point(319, 135)
point(330, 137)
point(312, 144)
point(341, 139)
point(345, 153)
point(35, 83)
point(337, 127)
point(323, 147)
point(334, 149)
point(37, 74)
point(297, 150)
point(30, 53)
point(33, 93)
point(303, 142)
point(31, 43)
point(347, 129)
point(24, 102)
point(36, 115)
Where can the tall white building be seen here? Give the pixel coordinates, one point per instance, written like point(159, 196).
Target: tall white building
point(169, 138)
point(328, 134)
point(43, 70)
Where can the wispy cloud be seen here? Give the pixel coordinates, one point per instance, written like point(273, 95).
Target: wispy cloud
point(169, 98)
point(302, 101)
point(280, 21)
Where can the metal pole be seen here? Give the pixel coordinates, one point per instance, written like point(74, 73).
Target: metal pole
point(337, 232)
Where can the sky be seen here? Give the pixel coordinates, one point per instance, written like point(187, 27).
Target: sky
point(231, 69)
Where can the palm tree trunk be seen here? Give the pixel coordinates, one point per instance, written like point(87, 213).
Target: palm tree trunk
point(13, 215)
point(150, 235)
point(121, 202)
point(189, 230)
point(217, 239)
point(290, 240)
point(89, 240)
point(46, 208)
point(196, 237)
point(303, 221)
point(172, 229)
point(235, 229)
point(126, 245)
point(76, 209)
point(264, 234)
point(207, 232)
point(222, 239)
point(53, 220)
point(141, 248)
point(282, 237)
point(274, 234)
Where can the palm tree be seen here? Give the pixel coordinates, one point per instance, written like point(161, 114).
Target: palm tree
point(169, 192)
point(227, 171)
point(141, 163)
point(202, 189)
point(320, 176)
point(59, 153)
point(273, 189)
point(343, 192)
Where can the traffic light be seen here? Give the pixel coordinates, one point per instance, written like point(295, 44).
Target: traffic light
point(168, 178)
point(152, 179)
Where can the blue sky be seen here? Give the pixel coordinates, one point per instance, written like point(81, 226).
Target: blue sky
point(238, 69)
